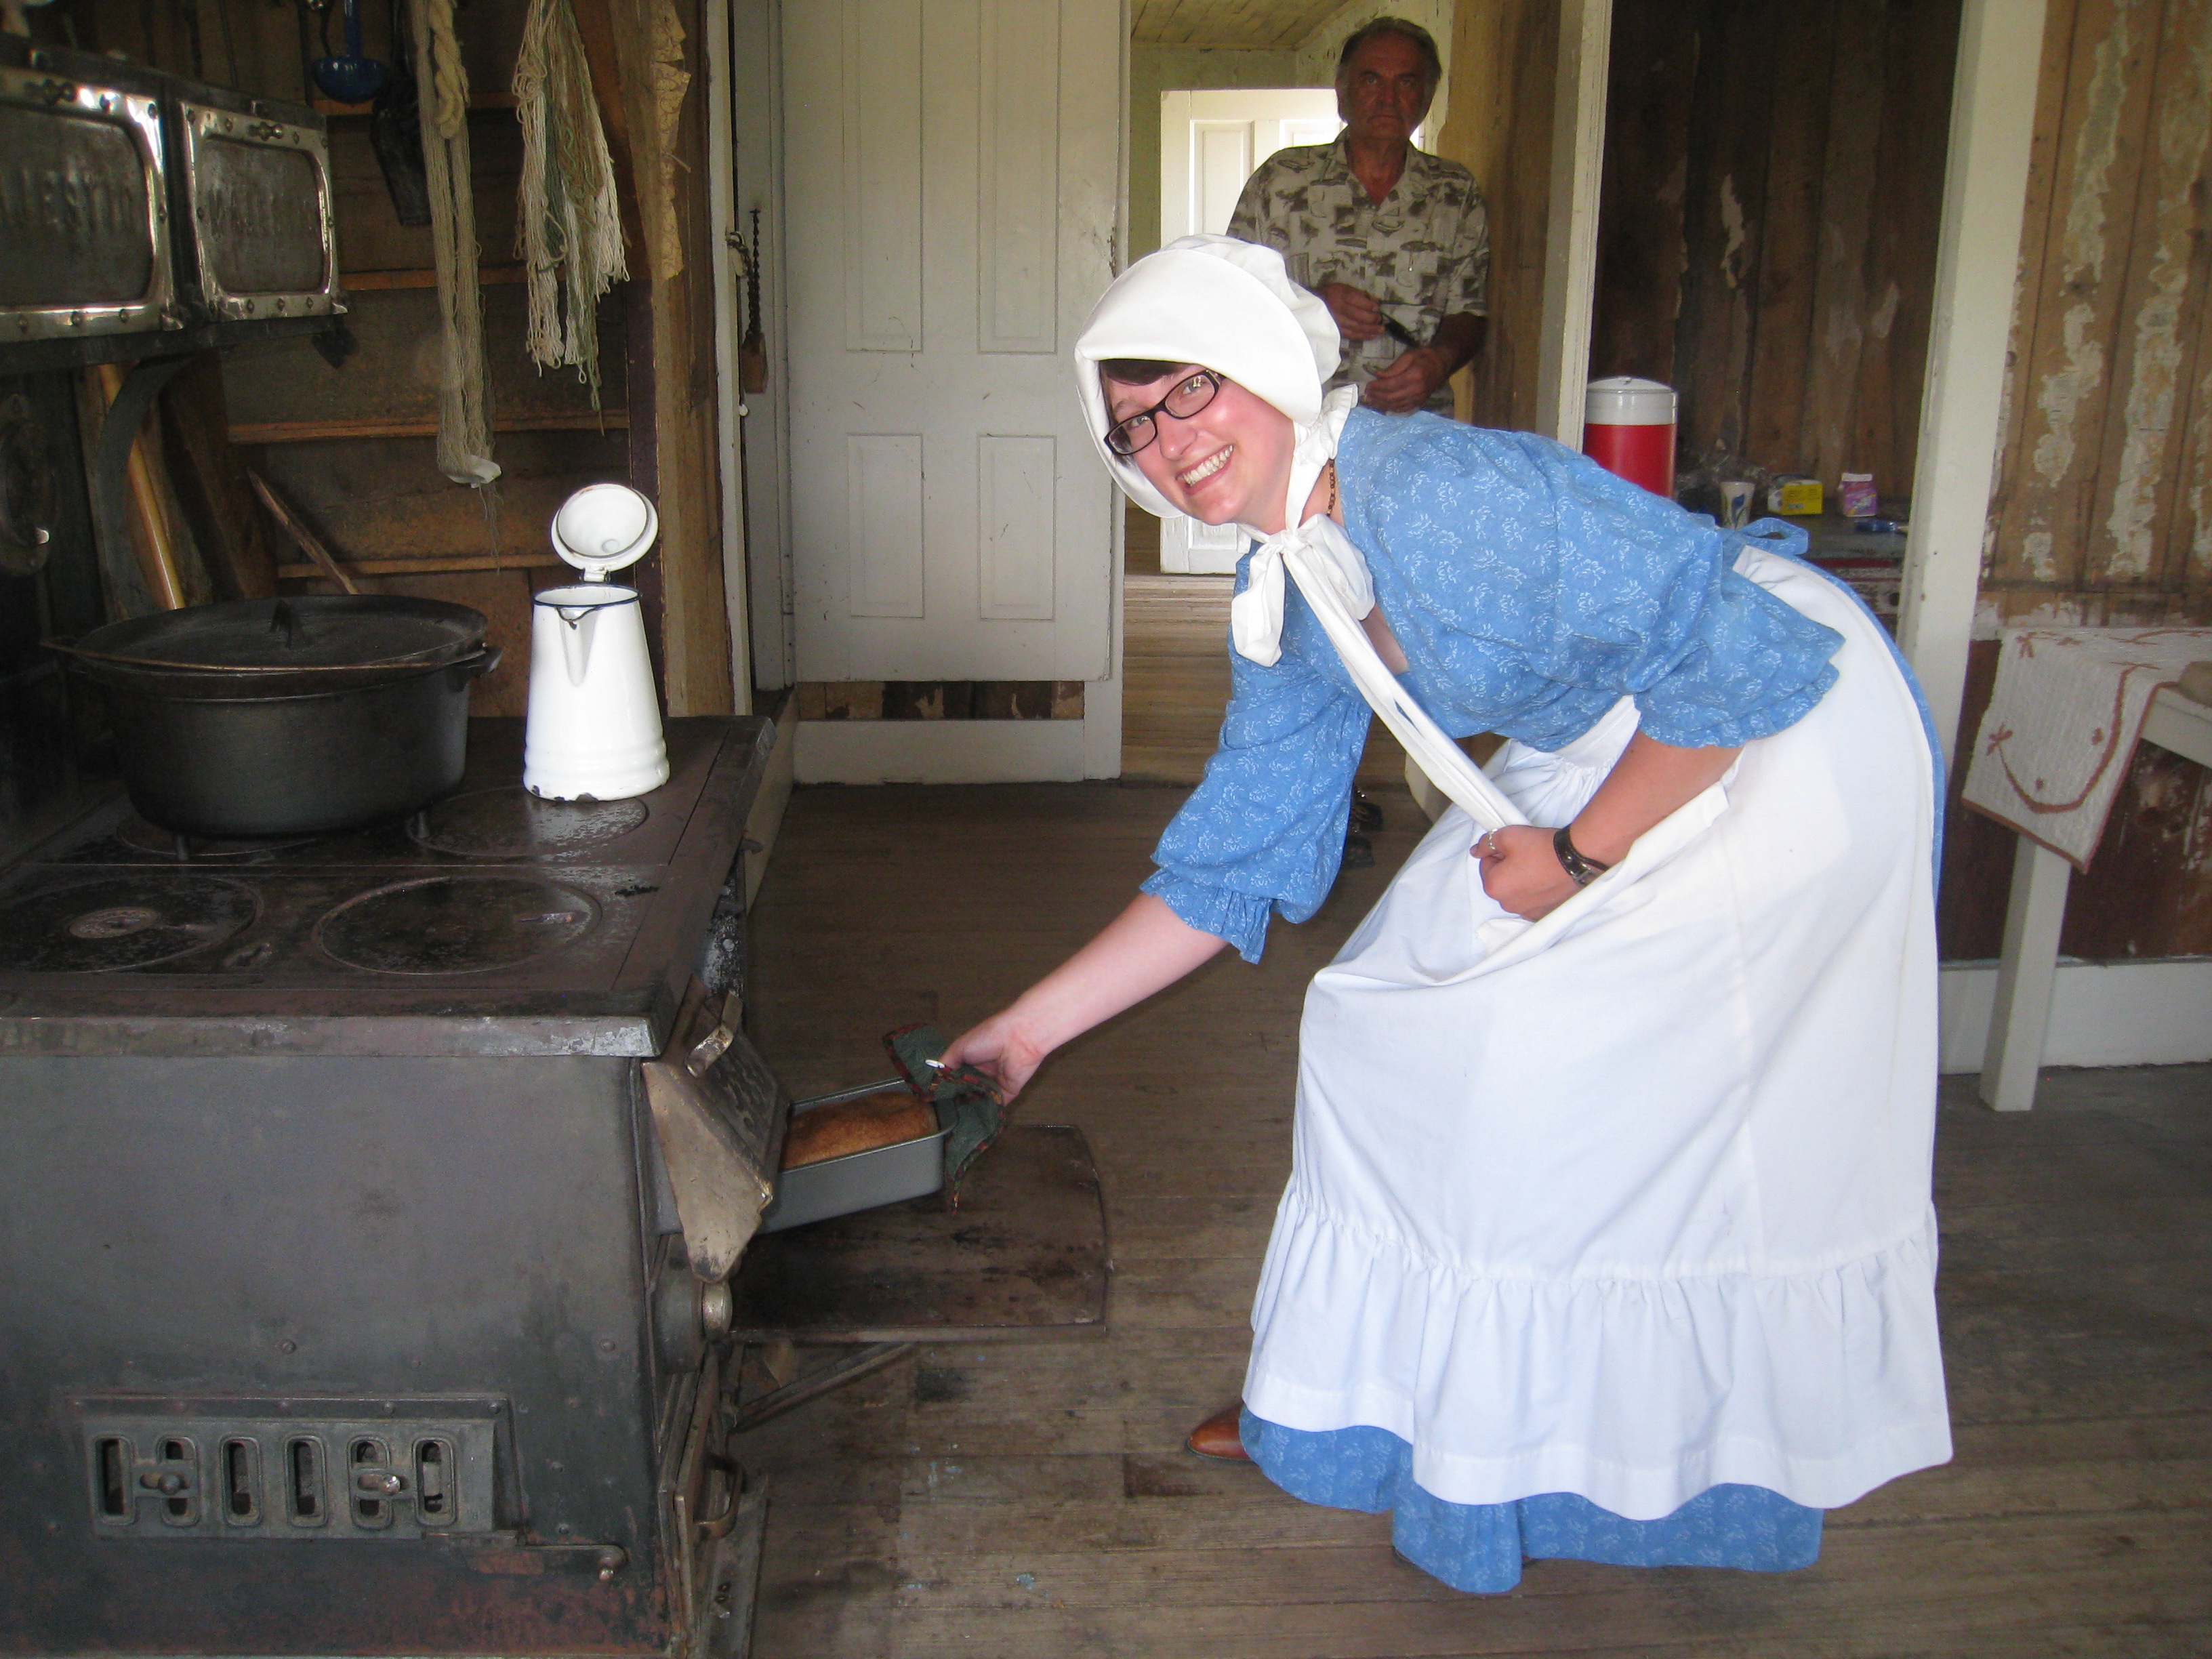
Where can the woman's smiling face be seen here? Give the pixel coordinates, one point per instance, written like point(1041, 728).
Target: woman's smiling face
point(1228, 464)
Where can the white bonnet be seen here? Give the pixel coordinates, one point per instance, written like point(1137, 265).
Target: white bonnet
point(1222, 303)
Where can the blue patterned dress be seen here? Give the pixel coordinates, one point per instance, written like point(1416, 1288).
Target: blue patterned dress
point(1530, 591)
point(1508, 626)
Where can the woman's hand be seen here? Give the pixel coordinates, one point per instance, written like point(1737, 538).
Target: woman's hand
point(1521, 871)
point(1141, 950)
point(1001, 1050)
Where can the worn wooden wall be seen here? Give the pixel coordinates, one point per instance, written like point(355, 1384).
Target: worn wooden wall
point(1505, 61)
point(2103, 509)
point(660, 54)
point(1772, 191)
point(350, 445)
point(2103, 512)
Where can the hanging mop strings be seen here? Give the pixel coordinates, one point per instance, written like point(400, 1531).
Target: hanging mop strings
point(464, 416)
point(449, 80)
point(569, 228)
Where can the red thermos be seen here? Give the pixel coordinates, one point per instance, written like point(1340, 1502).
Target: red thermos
point(1628, 428)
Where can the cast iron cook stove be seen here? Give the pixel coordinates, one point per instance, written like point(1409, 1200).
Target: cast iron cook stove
point(346, 1295)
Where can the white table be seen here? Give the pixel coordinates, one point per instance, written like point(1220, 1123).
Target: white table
point(2027, 971)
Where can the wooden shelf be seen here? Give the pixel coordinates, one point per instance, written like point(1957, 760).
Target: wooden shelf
point(369, 281)
point(477, 100)
point(422, 567)
point(307, 432)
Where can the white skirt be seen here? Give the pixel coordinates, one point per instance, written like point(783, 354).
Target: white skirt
point(1637, 1204)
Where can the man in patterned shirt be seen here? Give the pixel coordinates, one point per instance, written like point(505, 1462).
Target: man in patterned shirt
point(1395, 240)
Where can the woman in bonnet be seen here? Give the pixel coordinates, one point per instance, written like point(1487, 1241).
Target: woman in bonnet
point(1608, 1233)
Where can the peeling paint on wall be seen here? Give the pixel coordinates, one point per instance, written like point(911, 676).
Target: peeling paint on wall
point(1885, 314)
point(2107, 482)
point(2184, 128)
point(1844, 332)
point(2198, 470)
point(2060, 396)
point(2096, 146)
point(2104, 513)
point(2150, 416)
point(1732, 222)
point(2036, 547)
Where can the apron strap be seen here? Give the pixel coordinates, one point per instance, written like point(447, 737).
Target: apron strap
point(1444, 762)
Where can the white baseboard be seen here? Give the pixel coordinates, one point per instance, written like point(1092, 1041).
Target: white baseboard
point(940, 752)
point(2157, 1012)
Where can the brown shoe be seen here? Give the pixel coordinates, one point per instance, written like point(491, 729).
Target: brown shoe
point(1218, 1437)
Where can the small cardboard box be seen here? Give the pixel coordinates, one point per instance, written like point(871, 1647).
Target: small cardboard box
point(1795, 497)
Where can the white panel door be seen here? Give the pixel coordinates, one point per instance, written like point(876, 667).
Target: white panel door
point(952, 184)
point(1210, 143)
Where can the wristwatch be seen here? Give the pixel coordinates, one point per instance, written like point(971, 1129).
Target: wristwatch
point(1580, 870)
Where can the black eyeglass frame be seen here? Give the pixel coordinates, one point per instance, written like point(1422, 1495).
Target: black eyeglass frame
point(1116, 434)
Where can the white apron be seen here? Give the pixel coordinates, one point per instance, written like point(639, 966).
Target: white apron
point(1634, 1202)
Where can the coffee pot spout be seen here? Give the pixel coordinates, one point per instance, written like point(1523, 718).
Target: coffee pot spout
point(579, 623)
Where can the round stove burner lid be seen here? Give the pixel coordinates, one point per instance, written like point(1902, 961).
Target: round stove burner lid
point(454, 925)
point(512, 822)
point(127, 922)
point(141, 836)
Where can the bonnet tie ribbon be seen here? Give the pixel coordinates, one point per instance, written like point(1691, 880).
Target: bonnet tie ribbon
point(1255, 616)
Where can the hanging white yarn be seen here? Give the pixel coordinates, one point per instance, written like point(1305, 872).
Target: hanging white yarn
point(567, 224)
point(463, 417)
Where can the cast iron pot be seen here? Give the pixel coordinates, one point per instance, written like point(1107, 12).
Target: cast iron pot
point(292, 716)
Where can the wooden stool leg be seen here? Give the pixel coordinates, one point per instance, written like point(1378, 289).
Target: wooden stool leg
point(2027, 973)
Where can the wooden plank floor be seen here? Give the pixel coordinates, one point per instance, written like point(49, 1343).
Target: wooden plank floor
point(1175, 669)
point(1031, 1501)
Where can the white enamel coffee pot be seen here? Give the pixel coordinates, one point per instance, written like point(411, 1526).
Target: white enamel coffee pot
point(594, 727)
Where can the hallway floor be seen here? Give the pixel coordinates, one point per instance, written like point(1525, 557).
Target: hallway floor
point(1034, 1502)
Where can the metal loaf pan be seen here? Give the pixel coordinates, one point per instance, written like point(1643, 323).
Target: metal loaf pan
point(858, 1181)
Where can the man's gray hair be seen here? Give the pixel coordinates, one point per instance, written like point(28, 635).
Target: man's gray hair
point(1412, 31)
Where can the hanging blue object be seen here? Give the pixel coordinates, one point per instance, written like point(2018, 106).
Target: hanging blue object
point(349, 77)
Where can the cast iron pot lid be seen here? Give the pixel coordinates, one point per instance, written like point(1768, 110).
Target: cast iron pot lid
point(301, 632)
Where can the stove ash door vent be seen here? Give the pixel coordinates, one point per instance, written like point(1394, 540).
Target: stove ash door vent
point(361, 1469)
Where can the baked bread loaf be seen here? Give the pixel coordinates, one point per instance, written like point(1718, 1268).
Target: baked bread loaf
point(843, 1126)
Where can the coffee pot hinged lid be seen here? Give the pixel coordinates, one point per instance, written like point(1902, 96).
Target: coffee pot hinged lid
point(605, 527)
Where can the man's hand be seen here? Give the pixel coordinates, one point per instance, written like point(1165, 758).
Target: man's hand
point(1405, 384)
point(1358, 314)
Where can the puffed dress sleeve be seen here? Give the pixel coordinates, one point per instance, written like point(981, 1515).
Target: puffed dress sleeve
point(1264, 831)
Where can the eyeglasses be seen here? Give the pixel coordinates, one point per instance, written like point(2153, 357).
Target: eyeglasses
point(1126, 438)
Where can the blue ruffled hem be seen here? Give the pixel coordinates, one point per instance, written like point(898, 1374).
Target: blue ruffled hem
point(1240, 918)
point(1480, 1546)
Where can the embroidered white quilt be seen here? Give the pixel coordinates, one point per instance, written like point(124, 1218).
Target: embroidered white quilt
point(2063, 721)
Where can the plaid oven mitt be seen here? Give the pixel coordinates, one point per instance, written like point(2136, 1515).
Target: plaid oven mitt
point(966, 1102)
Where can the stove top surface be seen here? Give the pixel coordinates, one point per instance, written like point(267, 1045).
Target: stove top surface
point(490, 904)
